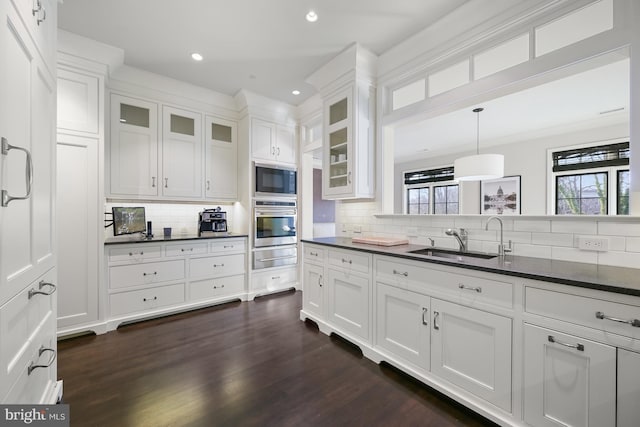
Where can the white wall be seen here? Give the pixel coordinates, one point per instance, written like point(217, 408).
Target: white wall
point(528, 159)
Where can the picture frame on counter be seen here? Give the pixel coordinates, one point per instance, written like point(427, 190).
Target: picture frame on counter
point(501, 196)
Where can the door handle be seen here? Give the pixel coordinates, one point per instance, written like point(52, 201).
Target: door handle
point(166, 183)
point(633, 322)
point(578, 347)
point(424, 312)
point(6, 197)
point(42, 349)
point(208, 185)
point(435, 320)
point(320, 280)
point(153, 181)
point(41, 285)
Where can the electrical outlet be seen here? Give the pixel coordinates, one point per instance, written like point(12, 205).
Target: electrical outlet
point(357, 229)
point(590, 243)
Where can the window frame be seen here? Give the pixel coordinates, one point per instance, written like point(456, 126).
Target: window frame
point(431, 186)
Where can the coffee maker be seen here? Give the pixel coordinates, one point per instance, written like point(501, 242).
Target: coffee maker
point(212, 221)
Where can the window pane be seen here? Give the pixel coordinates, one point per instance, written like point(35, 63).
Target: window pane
point(413, 195)
point(440, 208)
point(452, 208)
point(424, 195)
point(623, 193)
point(582, 194)
point(414, 209)
point(439, 194)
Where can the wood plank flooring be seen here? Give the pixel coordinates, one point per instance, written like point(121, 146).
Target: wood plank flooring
point(240, 364)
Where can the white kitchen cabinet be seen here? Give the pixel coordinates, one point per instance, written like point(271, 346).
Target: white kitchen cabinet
point(348, 292)
point(402, 324)
point(133, 147)
point(349, 143)
point(273, 142)
point(472, 349)
point(270, 280)
point(181, 153)
point(221, 159)
point(628, 393)
point(80, 95)
point(313, 294)
point(568, 380)
point(28, 301)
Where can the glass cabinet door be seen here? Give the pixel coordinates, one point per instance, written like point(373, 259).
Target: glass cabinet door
point(338, 139)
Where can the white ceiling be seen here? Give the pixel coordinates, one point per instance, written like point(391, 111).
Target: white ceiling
point(265, 46)
point(567, 104)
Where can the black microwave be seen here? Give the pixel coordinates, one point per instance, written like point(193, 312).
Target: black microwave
point(275, 180)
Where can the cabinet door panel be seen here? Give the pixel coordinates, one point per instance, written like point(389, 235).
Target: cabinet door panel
point(472, 349)
point(313, 289)
point(565, 386)
point(349, 302)
point(263, 140)
point(286, 144)
point(222, 171)
point(402, 326)
point(181, 153)
point(628, 388)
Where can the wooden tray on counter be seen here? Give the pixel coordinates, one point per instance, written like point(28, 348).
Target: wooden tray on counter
point(380, 241)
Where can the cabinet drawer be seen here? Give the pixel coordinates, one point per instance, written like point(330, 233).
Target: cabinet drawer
point(141, 274)
point(185, 249)
point(274, 280)
point(212, 288)
point(314, 254)
point(583, 311)
point(227, 246)
point(465, 288)
point(146, 299)
point(134, 253)
point(350, 260)
point(20, 320)
point(224, 265)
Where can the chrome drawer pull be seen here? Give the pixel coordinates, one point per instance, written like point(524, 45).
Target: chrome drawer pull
point(320, 280)
point(150, 274)
point(37, 8)
point(424, 312)
point(150, 299)
point(41, 285)
point(275, 277)
point(42, 17)
point(227, 247)
point(276, 258)
point(133, 253)
point(42, 349)
point(633, 322)
point(400, 273)
point(435, 320)
point(6, 197)
point(578, 347)
point(478, 289)
point(347, 261)
point(187, 250)
point(218, 265)
point(216, 287)
point(313, 253)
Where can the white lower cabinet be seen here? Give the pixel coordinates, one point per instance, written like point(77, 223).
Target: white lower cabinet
point(146, 299)
point(568, 380)
point(348, 302)
point(313, 293)
point(273, 280)
point(216, 287)
point(402, 324)
point(628, 396)
point(472, 349)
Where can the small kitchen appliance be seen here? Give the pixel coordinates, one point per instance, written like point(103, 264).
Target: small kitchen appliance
point(212, 221)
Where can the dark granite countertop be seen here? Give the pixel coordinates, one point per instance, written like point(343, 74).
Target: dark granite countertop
point(606, 278)
point(174, 238)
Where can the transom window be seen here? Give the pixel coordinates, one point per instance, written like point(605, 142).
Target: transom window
point(431, 191)
point(592, 180)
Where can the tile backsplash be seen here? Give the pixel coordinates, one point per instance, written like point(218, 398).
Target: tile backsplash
point(182, 218)
point(533, 236)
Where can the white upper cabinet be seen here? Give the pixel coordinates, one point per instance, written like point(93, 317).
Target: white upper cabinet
point(133, 147)
point(181, 153)
point(221, 159)
point(273, 142)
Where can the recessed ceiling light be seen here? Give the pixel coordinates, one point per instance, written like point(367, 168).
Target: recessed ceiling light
point(196, 57)
point(312, 16)
point(295, 92)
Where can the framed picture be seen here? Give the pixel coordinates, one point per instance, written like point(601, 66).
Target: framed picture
point(500, 196)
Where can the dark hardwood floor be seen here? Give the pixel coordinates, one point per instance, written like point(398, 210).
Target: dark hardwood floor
point(240, 364)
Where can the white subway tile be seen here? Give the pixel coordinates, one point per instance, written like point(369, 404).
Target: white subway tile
point(619, 259)
point(490, 247)
point(573, 254)
point(619, 228)
point(517, 236)
point(535, 251)
point(552, 239)
point(507, 224)
point(467, 223)
point(539, 225)
point(481, 234)
point(443, 222)
point(633, 244)
point(577, 226)
point(475, 245)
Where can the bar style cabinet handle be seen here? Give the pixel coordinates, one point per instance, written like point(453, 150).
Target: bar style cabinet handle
point(208, 185)
point(401, 273)
point(41, 17)
point(6, 197)
point(478, 289)
point(133, 253)
point(37, 6)
point(166, 183)
point(435, 320)
point(633, 322)
point(42, 350)
point(578, 347)
point(150, 274)
point(41, 285)
point(320, 280)
point(347, 261)
point(150, 299)
point(424, 313)
point(153, 181)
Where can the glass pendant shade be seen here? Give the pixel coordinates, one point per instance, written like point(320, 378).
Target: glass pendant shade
point(479, 166)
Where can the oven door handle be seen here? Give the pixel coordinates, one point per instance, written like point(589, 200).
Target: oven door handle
point(277, 258)
point(276, 213)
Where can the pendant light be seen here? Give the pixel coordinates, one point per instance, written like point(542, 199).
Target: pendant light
point(479, 166)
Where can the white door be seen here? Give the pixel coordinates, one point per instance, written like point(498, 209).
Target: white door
point(221, 160)
point(348, 304)
point(263, 140)
point(472, 349)
point(402, 324)
point(286, 144)
point(628, 396)
point(133, 147)
point(568, 381)
point(313, 289)
point(181, 153)
point(27, 129)
point(78, 225)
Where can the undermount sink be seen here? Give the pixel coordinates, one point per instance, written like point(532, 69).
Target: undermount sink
point(451, 254)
